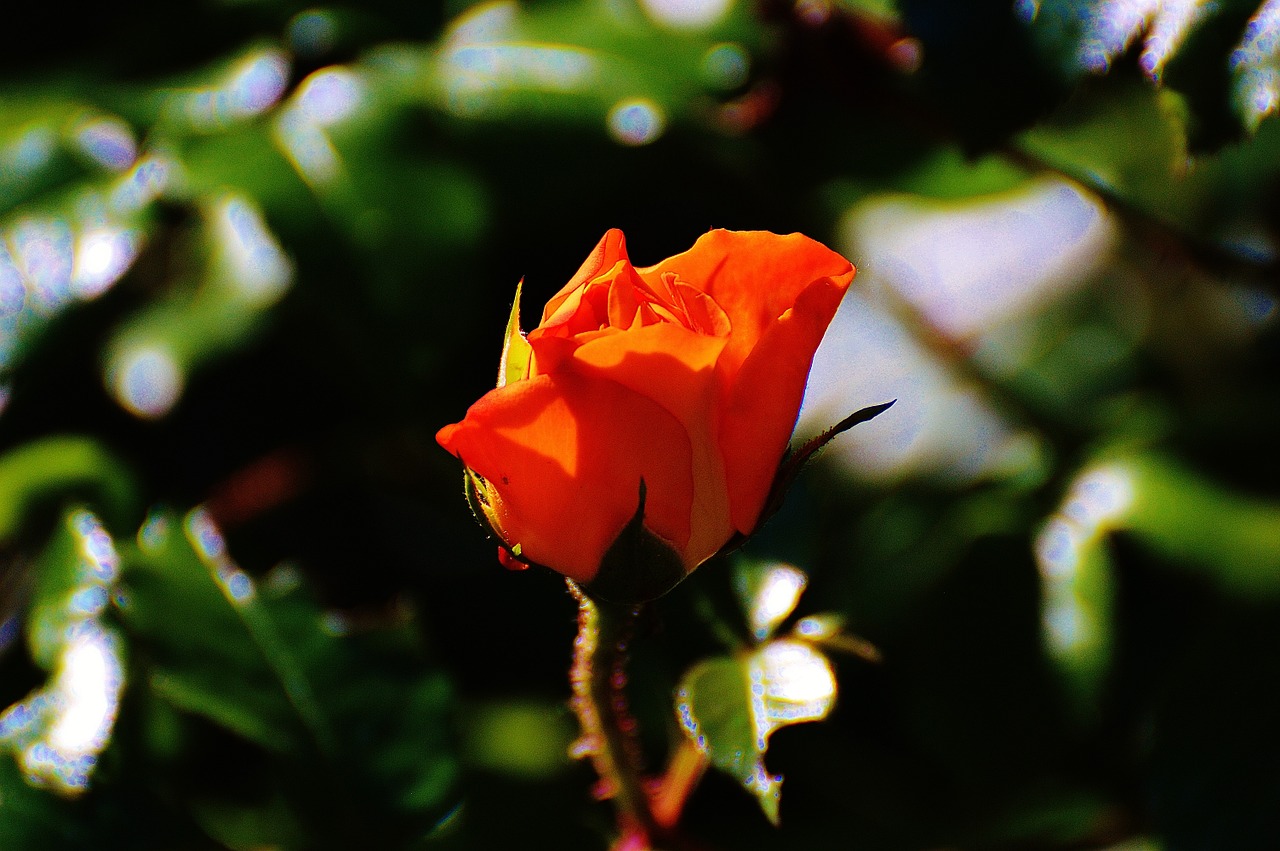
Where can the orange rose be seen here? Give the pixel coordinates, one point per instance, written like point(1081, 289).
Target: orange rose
point(645, 418)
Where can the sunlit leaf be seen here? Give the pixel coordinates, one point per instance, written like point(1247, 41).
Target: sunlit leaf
point(730, 706)
point(768, 593)
point(716, 710)
point(74, 578)
point(1222, 57)
point(58, 730)
point(1076, 582)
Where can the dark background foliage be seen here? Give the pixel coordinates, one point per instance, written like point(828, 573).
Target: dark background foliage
point(256, 253)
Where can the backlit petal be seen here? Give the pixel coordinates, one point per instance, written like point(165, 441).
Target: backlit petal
point(754, 276)
point(566, 454)
point(765, 399)
point(676, 368)
point(611, 246)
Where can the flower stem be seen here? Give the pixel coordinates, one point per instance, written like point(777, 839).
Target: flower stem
point(599, 700)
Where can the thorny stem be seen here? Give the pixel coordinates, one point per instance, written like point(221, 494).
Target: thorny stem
point(608, 730)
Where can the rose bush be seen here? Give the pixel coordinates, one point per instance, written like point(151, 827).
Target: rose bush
point(647, 414)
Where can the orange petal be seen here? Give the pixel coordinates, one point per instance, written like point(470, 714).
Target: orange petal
point(624, 304)
point(565, 454)
point(609, 252)
point(665, 362)
point(754, 276)
point(701, 310)
point(765, 398)
point(676, 368)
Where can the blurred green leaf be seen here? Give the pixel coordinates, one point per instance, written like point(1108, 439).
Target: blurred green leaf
point(59, 730)
point(581, 62)
point(1120, 136)
point(53, 471)
point(1187, 519)
point(768, 593)
point(210, 653)
point(74, 577)
point(356, 724)
point(1063, 817)
point(884, 9)
point(250, 828)
point(241, 274)
point(1077, 586)
point(523, 739)
point(1202, 525)
point(30, 818)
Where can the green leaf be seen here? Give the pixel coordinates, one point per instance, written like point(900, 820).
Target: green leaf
point(29, 817)
point(884, 10)
point(213, 650)
point(1218, 56)
point(715, 709)
point(72, 580)
point(56, 470)
point(579, 63)
point(355, 726)
point(1076, 585)
point(768, 593)
point(242, 272)
point(1233, 538)
point(730, 706)
point(1194, 523)
point(58, 731)
point(1121, 137)
point(106, 816)
point(242, 828)
point(519, 738)
point(386, 711)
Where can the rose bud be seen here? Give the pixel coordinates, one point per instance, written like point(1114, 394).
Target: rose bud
point(640, 427)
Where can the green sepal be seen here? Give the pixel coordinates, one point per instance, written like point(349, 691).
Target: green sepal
point(639, 566)
point(477, 490)
point(476, 487)
point(517, 354)
point(794, 462)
